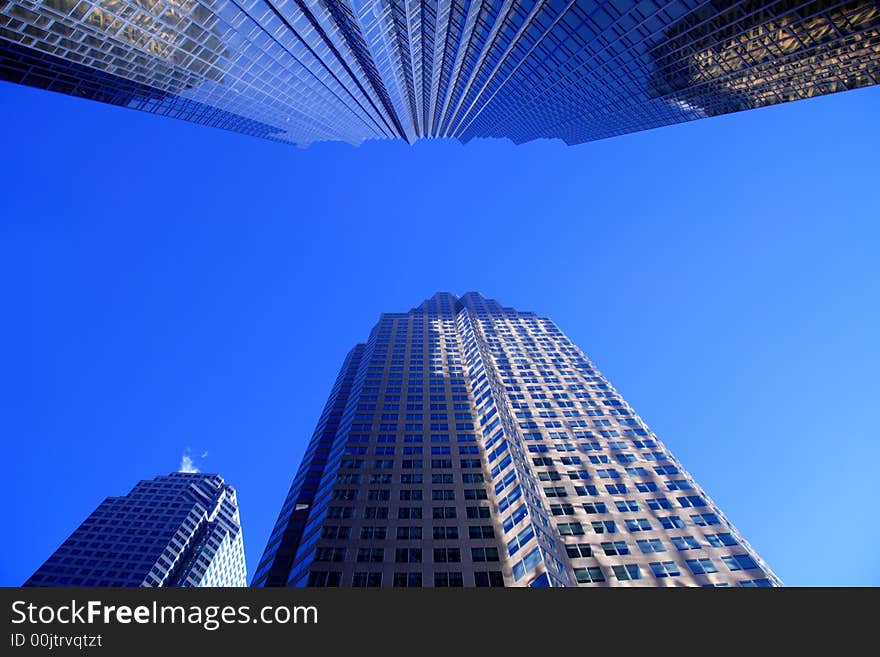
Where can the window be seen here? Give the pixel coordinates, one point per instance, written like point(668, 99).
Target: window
point(761, 583)
point(616, 489)
point(481, 531)
point(685, 543)
point(646, 486)
point(570, 528)
point(374, 555)
point(374, 532)
point(740, 562)
point(367, 579)
point(589, 575)
point(664, 569)
point(595, 507)
point(627, 572)
point(440, 512)
point(562, 509)
point(442, 494)
point(445, 533)
point(408, 555)
point(657, 503)
point(330, 554)
point(701, 566)
point(705, 519)
point(626, 505)
point(409, 513)
point(556, 491)
point(448, 580)
point(637, 524)
point(578, 474)
point(579, 550)
point(671, 522)
point(691, 500)
point(322, 578)
point(721, 540)
point(651, 545)
point(407, 580)
point(604, 526)
point(410, 495)
point(334, 531)
point(478, 512)
point(484, 554)
point(409, 533)
point(615, 548)
point(489, 578)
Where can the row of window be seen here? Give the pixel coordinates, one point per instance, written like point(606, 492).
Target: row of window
point(636, 524)
point(492, 578)
point(414, 478)
point(409, 464)
point(664, 569)
point(406, 495)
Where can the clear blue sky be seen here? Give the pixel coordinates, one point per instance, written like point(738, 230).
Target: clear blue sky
point(170, 287)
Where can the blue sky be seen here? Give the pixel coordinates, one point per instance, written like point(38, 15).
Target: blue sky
point(171, 287)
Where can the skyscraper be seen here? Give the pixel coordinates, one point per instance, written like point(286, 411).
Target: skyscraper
point(468, 444)
point(182, 529)
point(301, 71)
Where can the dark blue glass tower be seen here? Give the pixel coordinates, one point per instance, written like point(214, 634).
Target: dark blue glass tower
point(179, 530)
point(301, 71)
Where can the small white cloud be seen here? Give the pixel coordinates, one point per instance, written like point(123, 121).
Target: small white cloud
point(204, 455)
point(186, 463)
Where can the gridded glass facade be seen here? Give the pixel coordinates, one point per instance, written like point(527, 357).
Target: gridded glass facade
point(182, 529)
point(469, 444)
point(300, 71)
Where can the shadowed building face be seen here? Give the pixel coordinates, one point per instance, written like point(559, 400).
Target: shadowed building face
point(350, 70)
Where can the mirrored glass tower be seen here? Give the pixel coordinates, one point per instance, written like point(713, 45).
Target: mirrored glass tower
point(469, 444)
point(300, 71)
point(182, 529)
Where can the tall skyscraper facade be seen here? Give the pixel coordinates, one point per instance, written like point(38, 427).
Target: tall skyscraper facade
point(300, 71)
point(469, 444)
point(182, 529)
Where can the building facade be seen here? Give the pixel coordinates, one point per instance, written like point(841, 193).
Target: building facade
point(311, 70)
point(181, 530)
point(469, 444)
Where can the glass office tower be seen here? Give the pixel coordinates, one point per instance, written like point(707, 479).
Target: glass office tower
point(182, 529)
point(468, 444)
point(300, 71)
